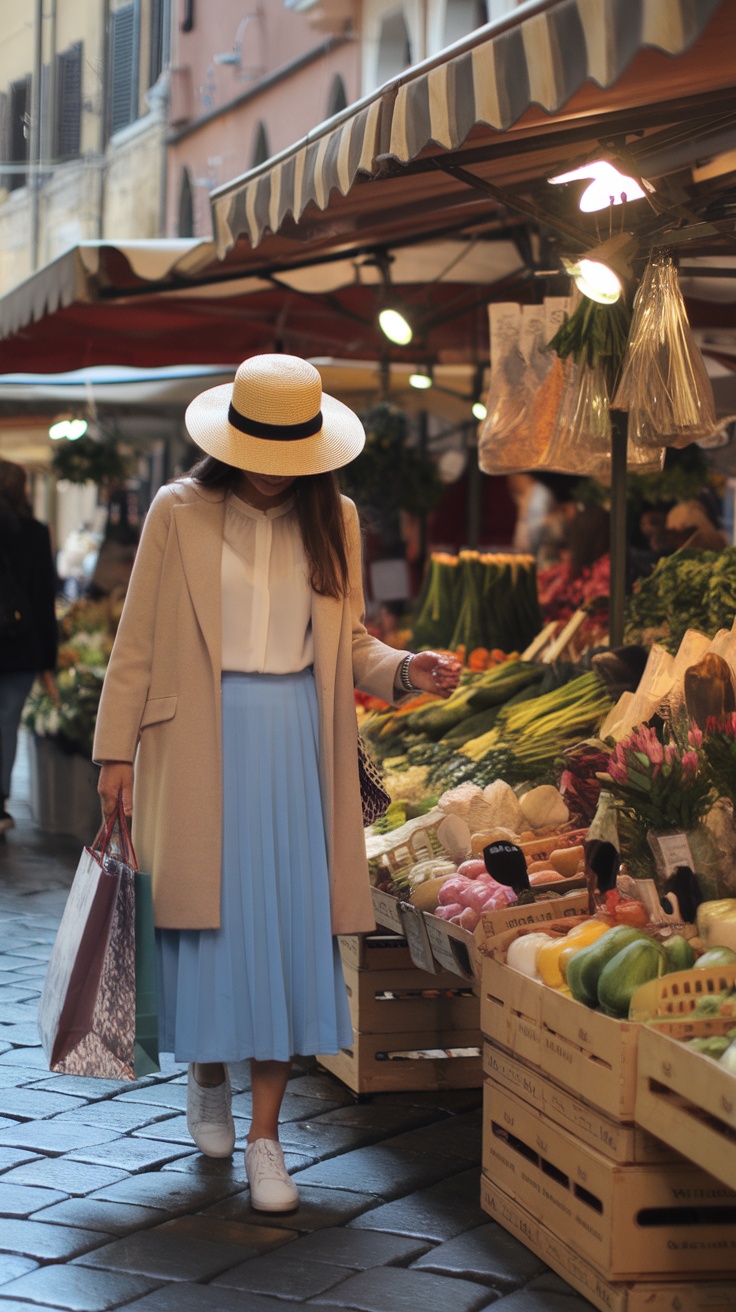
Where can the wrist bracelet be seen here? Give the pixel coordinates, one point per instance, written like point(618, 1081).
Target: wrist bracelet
point(404, 678)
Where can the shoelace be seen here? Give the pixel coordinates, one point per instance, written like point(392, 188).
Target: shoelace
point(273, 1165)
point(212, 1103)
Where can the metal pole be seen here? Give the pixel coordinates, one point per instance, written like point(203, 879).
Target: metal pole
point(619, 441)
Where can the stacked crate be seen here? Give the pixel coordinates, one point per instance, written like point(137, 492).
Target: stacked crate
point(412, 1030)
point(626, 1220)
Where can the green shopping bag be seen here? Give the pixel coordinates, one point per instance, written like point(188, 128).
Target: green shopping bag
point(146, 1006)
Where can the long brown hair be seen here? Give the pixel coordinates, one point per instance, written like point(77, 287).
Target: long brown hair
point(320, 518)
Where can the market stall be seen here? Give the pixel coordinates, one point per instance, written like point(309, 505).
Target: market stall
point(562, 833)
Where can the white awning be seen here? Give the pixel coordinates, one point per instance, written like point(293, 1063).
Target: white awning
point(540, 55)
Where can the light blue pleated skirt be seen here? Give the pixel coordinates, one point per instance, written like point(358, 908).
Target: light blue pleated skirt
point(268, 983)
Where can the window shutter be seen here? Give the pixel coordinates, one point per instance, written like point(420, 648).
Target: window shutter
point(156, 61)
point(4, 137)
point(187, 16)
point(19, 129)
point(123, 94)
point(68, 123)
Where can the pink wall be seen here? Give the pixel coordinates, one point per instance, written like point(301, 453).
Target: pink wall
point(284, 81)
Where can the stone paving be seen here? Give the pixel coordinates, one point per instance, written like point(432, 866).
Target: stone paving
point(104, 1204)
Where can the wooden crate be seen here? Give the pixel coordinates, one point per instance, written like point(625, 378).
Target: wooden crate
point(688, 1099)
point(629, 1221)
point(617, 1140)
point(649, 1294)
point(461, 951)
point(381, 951)
point(400, 1001)
point(592, 1055)
point(369, 1066)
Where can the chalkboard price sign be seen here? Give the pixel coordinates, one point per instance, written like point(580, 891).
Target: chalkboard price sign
point(506, 863)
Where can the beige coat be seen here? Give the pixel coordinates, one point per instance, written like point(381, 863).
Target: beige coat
point(161, 699)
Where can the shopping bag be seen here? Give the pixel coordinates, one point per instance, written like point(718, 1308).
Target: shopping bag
point(91, 1005)
point(146, 1005)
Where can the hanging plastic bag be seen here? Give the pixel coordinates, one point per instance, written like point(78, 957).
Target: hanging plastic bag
point(511, 439)
point(664, 384)
point(581, 443)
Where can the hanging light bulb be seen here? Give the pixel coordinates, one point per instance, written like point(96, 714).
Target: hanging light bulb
point(71, 429)
point(596, 281)
point(601, 273)
point(479, 411)
point(395, 326)
point(421, 380)
point(608, 186)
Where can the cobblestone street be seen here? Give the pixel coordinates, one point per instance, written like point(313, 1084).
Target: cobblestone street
point(104, 1204)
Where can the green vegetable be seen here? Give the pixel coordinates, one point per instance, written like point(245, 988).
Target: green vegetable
point(713, 1046)
point(633, 966)
point(729, 1058)
point(708, 1005)
point(678, 954)
point(585, 968)
point(716, 956)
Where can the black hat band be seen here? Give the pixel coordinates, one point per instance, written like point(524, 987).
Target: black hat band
point(274, 432)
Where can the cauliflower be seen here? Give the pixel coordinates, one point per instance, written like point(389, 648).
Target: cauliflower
point(505, 807)
point(456, 801)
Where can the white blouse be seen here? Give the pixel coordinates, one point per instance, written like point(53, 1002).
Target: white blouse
point(266, 594)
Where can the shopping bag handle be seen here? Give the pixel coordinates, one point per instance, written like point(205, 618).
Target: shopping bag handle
point(113, 838)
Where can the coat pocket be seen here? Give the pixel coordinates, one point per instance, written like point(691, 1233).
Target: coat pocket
point(157, 709)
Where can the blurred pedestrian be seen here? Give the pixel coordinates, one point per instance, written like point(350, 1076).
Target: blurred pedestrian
point(232, 678)
point(28, 633)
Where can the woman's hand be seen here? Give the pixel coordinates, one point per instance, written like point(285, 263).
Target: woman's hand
point(431, 672)
point(116, 777)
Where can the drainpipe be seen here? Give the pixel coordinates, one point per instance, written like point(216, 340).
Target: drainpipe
point(102, 139)
point(34, 174)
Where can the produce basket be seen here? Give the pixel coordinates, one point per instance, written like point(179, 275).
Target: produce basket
point(684, 1097)
point(678, 994)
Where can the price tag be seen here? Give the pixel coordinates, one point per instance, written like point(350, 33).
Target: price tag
point(506, 863)
point(673, 850)
point(386, 910)
point(415, 932)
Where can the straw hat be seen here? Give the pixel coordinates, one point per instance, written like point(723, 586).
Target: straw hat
point(275, 419)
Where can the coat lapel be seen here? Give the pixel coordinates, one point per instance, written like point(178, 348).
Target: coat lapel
point(199, 527)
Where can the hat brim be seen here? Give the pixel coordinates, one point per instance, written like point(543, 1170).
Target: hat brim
point(340, 440)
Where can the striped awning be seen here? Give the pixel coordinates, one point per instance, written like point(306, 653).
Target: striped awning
point(540, 55)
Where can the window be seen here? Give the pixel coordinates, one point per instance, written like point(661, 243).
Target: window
point(394, 47)
point(186, 205)
point(261, 150)
point(123, 66)
point(18, 131)
point(338, 97)
point(463, 16)
point(68, 110)
point(157, 55)
point(187, 15)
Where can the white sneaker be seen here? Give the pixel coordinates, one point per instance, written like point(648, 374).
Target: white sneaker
point(271, 1187)
point(209, 1118)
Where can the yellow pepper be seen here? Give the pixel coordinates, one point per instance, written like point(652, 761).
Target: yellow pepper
point(548, 963)
point(552, 957)
point(579, 938)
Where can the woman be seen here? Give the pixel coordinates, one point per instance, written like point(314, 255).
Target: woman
point(28, 634)
point(232, 677)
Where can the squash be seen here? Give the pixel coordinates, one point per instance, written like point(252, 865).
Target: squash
point(567, 860)
point(425, 896)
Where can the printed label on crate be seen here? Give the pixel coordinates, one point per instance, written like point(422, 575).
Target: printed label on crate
point(415, 931)
point(386, 910)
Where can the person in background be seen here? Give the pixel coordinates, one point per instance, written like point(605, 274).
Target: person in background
point(231, 687)
point(688, 524)
point(28, 633)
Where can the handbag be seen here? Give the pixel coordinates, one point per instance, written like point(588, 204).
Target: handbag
point(374, 799)
point(97, 1014)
